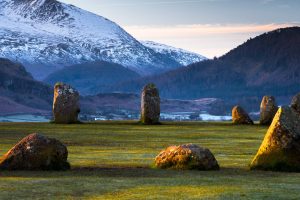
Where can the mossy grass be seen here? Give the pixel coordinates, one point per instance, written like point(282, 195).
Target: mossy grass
point(77, 122)
point(141, 122)
point(114, 160)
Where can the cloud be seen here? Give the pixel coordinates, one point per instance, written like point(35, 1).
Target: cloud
point(198, 30)
point(267, 1)
point(207, 39)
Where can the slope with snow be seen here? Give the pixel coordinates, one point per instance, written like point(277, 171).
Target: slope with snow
point(46, 35)
point(180, 55)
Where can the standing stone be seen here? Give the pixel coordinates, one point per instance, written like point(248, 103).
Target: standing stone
point(280, 149)
point(268, 109)
point(36, 152)
point(150, 105)
point(65, 104)
point(189, 156)
point(240, 116)
point(296, 103)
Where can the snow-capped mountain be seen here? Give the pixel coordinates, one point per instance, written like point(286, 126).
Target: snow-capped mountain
point(182, 56)
point(47, 35)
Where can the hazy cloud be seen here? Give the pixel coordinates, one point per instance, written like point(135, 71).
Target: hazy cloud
point(209, 27)
point(208, 39)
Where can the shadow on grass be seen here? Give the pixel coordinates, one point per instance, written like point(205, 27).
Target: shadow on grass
point(138, 124)
point(144, 172)
point(165, 123)
point(102, 171)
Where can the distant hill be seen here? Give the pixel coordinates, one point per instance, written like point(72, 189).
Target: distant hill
point(92, 78)
point(19, 92)
point(267, 64)
point(112, 102)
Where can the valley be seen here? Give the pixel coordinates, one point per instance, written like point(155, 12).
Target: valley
point(162, 99)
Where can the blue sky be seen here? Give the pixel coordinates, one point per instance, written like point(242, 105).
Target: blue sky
point(208, 27)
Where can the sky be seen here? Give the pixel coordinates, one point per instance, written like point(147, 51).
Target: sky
point(208, 27)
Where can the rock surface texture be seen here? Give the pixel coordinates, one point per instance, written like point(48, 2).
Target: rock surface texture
point(36, 152)
point(65, 104)
point(280, 149)
point(296, 103)
point(240, 116)
point(150, 105)
point(268, 109)
point(187, 156)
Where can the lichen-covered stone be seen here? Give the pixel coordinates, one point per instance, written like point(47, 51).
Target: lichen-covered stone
point(150, 105)
point(187, 156)
point(268, 109)
point(65, 104)
point(36, 152)
point(296, 103)
point(240, 116)
point(280, 149)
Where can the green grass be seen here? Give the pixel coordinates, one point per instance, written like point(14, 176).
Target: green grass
point(114, 160)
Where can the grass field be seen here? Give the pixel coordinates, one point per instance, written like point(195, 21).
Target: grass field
point(114, 160)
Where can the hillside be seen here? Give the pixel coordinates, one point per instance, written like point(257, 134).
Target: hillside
point(114, 102)
point(267, 64)
point(19, 92)
point(92, 78)
point(180, 55)
point(47, 35)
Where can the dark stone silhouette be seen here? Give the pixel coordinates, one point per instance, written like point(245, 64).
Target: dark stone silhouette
point(150, 105)
point(65, 104)
point(268, 109)
point(36, 152)
point(240, 116)
point(296, 103)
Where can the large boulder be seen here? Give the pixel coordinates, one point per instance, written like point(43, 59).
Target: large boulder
point(187, 156)
point(36, 152)
point(280, 149)
point(240, 116)
point(268, 109)
point(150, 105)
point(296, 103)
point(65, 104)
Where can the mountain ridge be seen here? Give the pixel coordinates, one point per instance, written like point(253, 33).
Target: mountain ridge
point(47, 35)
point(184, 57)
